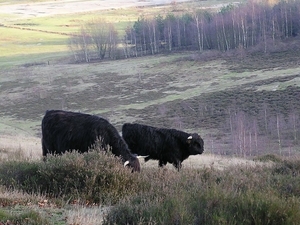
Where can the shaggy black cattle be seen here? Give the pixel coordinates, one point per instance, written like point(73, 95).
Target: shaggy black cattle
point(63, 131)
point(165, 145)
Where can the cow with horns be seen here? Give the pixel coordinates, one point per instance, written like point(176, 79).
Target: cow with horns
point(165, 145)
point(65, 131)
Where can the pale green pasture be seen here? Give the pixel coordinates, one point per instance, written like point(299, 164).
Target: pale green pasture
point(4, 17)
point(26, 1)
point(18, 45)
point(71, 23)
point(11, 126)
point(30, 37)
point(31, 58)
point(20, 1)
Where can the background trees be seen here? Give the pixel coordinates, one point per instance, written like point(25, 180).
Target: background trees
point(96, 39)
point(233, 27)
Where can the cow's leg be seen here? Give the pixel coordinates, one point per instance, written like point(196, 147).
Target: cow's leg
point(45, 151)
point(162, 163)
point(147, 158)
point(178, 165)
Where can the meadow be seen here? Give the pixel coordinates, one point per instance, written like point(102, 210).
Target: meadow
point(243, 104)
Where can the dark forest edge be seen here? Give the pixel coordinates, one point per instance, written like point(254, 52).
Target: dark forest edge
point(235, 26)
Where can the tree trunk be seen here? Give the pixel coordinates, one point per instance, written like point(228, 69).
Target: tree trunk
point(278, 133)
point(225, 36)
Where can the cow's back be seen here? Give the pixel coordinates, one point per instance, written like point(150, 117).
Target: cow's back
point(143, 140)
point(62, 131)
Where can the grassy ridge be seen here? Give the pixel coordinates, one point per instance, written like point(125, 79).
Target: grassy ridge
point(179, 91)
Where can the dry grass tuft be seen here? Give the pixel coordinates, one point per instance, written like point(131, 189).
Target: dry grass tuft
point(20, 147)
point(86, 215)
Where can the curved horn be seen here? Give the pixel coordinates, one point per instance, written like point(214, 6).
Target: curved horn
point(190, 137)
point(142, 156)
point(126, 163)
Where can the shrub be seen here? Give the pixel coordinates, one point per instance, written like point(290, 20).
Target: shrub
point(93, 177)
point(238, 195)
point(268, 157)
point(288, 167)
point(26, 218)
point(22, 175)
point(286, 177)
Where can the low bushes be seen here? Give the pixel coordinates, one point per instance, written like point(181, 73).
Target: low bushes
point(236, 195)
point(240, 195)
point(27, 218)
point(94, 177)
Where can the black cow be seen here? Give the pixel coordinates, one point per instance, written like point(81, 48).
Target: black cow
point(64, 131)
point(165, 145)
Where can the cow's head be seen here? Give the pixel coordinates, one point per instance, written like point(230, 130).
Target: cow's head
point(196, 144)
point(134, 163)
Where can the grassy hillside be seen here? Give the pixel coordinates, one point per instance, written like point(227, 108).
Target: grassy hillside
point(180, 91)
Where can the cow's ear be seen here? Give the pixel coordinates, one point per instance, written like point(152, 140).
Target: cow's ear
point(189, 139)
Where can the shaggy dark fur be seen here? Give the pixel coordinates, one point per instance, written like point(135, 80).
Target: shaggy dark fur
point(64, 131)
point(165, 145)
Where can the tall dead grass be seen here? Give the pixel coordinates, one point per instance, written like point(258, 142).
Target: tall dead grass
point(20, 147)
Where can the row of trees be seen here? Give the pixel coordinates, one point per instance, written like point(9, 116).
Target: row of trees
point(234, 26)
point(279, 133)
point(254, 122)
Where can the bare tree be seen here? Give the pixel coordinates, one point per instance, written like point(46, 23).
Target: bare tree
point(104, 37)
point(200, 30)
point(169, 31)
point(278, 132)
point(95, 39)
point(152, 36)
point(79, 44)
point(112, 42)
